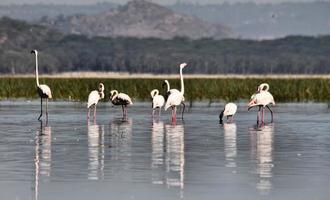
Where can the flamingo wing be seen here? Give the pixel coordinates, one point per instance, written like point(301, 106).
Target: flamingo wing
point(44, 91)
point(125, 99)
point(174, 99)
point(158, 101)
point(93, 98)
point(230, 109)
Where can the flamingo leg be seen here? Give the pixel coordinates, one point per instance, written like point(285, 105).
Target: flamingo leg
point(122, 107)
point(89, 110)
point(94, 112)
point(40, 109)
point(173, 114)
point(184, 107)
point(258, 117)
point(271, 113)
point(230, 119)
point(160, 111)
point(263, 114)
point(153, 113)
point(47, 108)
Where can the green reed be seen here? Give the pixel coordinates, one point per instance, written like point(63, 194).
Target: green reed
point(226, 89)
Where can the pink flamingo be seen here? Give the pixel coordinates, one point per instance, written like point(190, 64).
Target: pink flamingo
point(176, 97)
point(262, 98)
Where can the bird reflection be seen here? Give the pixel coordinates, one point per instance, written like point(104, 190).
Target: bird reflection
point(43, 153)
point(121, 137)
point(95, 151)
point(168, 155)
point(157, 161)
point(262, 143)
point(230, 143)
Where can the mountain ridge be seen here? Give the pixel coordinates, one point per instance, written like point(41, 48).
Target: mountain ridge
point(141, 19)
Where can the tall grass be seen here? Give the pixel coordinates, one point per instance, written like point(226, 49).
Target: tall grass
point(227, 89)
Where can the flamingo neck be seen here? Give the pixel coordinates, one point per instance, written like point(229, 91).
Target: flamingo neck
point(37, 74)
point(101, 94)
point(182, 83)
point(168, 85)
point(154, 93)
point(115, 94)
point(267, 87)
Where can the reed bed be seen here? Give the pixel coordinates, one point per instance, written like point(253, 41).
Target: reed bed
point(196, 89)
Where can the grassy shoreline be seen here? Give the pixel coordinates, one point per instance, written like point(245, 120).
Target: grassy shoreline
point(126, 75)
point(196, 89)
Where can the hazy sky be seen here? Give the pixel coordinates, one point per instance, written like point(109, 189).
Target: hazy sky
point(2, 2)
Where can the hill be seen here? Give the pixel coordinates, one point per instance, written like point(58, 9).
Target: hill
point(141, 19)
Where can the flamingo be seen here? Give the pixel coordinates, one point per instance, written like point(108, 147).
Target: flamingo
point(229, 112)
point(169, 91)
point(262, 98)
point(157, 101)
point(176, 97)
point(120, 99)
point(43, 90)
point(93, 99)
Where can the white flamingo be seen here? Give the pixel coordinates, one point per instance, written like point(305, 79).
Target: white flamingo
point(120, 99)
point(169, 91)
point(262, 98)
point(229, 112)
point(43, 90)
point(176, 98)
point(157, 101)
point(93, 99)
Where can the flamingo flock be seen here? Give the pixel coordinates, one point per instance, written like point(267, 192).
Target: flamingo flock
point(173, 98)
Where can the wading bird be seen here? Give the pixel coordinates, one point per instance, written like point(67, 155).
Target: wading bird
point(93, 99)
point(157, 101)
point(169, 91)
point(176, 98)
point(262, 98)
point(229, 112)
point(120, 99)
point(43, 90)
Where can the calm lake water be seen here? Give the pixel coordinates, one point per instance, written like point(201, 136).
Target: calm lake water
point(141, 158)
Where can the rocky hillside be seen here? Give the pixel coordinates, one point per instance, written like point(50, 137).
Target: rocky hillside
point(142, 19)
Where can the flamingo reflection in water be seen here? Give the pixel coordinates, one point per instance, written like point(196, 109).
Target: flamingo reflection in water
point(43, 156)
point(262, 150)
point(230, 144)
point(95, 151)
point(158, 151)
point(168, 155)
point(121, 147)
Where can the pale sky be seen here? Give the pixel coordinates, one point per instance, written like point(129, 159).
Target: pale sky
point(5, 2)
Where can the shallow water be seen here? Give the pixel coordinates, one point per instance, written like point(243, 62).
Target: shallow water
point(141, 158)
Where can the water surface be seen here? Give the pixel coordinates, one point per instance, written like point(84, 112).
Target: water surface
point(145, 158)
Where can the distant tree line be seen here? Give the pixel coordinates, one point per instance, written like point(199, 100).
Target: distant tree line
point(59, 53)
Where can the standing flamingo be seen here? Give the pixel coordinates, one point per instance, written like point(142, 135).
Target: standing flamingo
point(169, 91)
point(122, 99)
point(262, 98)
point(93, 99)
point(157, 101)
point(229, 112)
point(176, 98)
point(43, 90)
